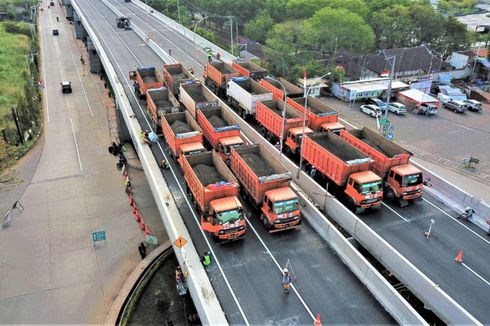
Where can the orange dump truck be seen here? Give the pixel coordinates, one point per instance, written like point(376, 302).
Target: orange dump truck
point(249, 69)
point(274, 86)
point(160, 101)
point(320, 115)
point(269, 116)
point(214, 189)
point(197, 97)
point(221, 130)
point(144, 79)
point(345, 168)
point(216, 76)
point(265, 181)
point(182, 133)
point(403, 181)
point(174, 75)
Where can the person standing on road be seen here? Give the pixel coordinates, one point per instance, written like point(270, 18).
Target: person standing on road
point(286, 280)
point(313, 172)
point(210, 56)
point(206, 259)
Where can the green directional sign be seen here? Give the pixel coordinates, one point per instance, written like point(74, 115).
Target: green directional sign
point(384, 122)
point(98, 235)
point(151, 239)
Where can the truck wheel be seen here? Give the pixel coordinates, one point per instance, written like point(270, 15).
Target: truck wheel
point(390, 194)
point(244, 115)
point(268, 136)
point(351, 205)
point(267, 225)
point(289, 152)
point(262, 131)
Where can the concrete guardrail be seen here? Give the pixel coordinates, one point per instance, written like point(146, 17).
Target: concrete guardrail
point(200, 287)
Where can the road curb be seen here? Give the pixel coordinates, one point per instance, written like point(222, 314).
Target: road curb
point(133, 278)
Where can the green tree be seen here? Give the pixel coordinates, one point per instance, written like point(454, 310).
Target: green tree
point(258, 28)
point(332, 29)
point(283, 53)
point(355, 6)
point(393, 27)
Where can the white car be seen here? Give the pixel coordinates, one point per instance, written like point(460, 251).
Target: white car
point(473, 105)
point(371, 109)
point(397, 108)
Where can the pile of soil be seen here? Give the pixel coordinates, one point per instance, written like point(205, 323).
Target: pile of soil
point(149, 79)
point(217, 122)
point(207, 174)
point(260, 167)
point(180, 127)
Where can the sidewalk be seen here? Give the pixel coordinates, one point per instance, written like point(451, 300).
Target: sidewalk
point(50, 271)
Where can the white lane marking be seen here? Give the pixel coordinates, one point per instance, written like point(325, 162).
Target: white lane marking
point(44, 78)
point(399, 215)
point(76, 145)
point(78, 74)
point(476, 274)
point(280, 269)
point(184, 195)
point(346, 122)
point(456, 220)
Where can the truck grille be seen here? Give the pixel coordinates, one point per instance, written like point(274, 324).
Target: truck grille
point(286, 220)
point(369, 201)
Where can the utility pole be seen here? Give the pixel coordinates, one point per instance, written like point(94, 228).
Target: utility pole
point(388, 91)
point(178, 10)
point(17, 124)
point(231, 33)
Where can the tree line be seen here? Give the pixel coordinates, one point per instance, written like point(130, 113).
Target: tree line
point(300, 34)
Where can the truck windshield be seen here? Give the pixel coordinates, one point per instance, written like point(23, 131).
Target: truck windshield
point(281, 207)
point(230, 216)
point(412, 180)
point(370, 187)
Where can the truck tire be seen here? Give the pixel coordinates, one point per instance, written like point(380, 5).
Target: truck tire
point(265, 220)
point(244, 114)
point(269, 136)
point(390, 194)
point(289, 152)
point(262, 131)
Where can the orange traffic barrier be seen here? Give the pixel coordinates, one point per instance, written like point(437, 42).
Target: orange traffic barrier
point(318, 322)
point(147, 232)
point(137, 216)
point(459, 257)
point(142, 225)
point(135, 209)
point(131, 200)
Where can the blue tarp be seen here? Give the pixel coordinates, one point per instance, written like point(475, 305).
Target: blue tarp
point(484, 62)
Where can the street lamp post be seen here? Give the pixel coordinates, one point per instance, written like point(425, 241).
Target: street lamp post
point(388, 91)
point(281, 138)
point(304, 121)
point(195, 45)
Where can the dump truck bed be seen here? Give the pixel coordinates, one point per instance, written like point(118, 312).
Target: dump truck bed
point(386, 154)
point(275, 87)
point(160, 101)
point(334, 157)
point(220, 73)
point(196, 96)
point(320, 112)
point(217, 124)
point(249, 69)
point(174, 75)
point(180, 128)
point(269, 115)
point(148, 78)
point(208, 178)
point(247, 92)
point(258, 171)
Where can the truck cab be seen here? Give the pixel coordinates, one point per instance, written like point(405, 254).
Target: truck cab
point(226, 144)
point(365, 189)
point(334, 127)
point(293, 139)
point(225, 219)
point(280, 209)
point(404, 182)
point(192, 148)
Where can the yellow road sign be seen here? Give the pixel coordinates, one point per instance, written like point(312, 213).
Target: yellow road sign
point(180, 242)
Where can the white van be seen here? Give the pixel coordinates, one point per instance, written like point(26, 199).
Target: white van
point(397, 108)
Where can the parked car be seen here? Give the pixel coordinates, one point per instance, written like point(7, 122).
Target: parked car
point(66, 87)
point(397, 108)
point(371, 109)
point(456, 106)
point(425, 109)
point(473, 105)
point(379, 103)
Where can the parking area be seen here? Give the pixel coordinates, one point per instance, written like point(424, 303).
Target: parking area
point(444, 139)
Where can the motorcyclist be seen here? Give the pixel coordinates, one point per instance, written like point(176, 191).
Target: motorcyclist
point(468, 213)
